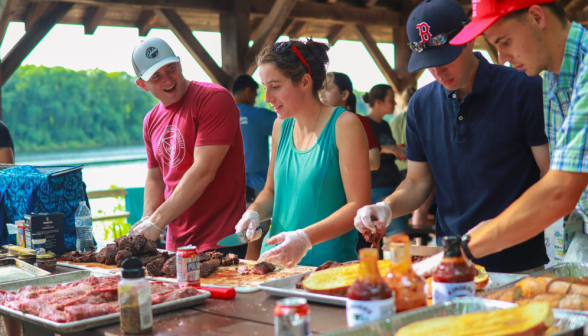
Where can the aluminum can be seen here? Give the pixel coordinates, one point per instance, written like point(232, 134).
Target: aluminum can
point(292, 317)
point(188, 266)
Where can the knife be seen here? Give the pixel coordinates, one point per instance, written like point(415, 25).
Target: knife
point(240, 238)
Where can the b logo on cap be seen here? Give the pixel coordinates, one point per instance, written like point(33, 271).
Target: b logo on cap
point(151, 53)
point(424, 31)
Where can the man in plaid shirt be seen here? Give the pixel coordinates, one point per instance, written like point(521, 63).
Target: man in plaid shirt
point(536, 36)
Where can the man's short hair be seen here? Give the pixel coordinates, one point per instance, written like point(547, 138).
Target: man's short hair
point(242, 82)
point(555, 7)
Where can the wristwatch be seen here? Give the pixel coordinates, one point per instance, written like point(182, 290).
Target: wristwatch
point(465, 239)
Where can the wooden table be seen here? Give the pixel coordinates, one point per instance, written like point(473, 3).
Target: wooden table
point(247, 314)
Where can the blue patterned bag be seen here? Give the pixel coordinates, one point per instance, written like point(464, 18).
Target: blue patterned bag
point(28, 189)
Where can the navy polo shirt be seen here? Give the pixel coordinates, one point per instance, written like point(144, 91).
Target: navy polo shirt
point(479, 151)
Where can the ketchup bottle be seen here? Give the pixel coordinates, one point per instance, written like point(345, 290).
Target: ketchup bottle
point(453, 278)
point(369, 298)
point(401, 278)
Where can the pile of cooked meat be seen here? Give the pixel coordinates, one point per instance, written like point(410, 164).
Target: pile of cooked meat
point(156, 263)
point(82, 299)
point(259, 268)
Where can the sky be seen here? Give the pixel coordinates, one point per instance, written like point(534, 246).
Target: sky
point(109, 49)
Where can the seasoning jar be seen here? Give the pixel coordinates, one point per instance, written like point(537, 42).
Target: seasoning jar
point(134, 298)
point(46, 261)
point(39, 242)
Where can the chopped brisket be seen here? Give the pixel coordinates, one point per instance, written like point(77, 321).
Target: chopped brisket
point(205, 257)
point(111, 251)
point(208, 267)
point(324, 266)
point(70, 255)
point(230, 259)
point(263, 268)
point(215, 255)
point(243, 270)
point(125, 243)
point(169, 268)
point(121, 256)
point(139, 244)
point(147, 258)
point(155, 266)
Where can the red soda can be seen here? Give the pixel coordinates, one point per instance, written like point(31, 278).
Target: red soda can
point(292, 317)
point(188, 266)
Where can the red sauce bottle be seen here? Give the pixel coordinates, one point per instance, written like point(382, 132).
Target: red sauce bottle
point(369, 298)
point(453, 278)
point(401, 278)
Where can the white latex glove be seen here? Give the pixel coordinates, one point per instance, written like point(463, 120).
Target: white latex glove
point(249, 221)
point(293, 247)
point(427, 267)
point(139, 222)
point(148, 229)
point(379, 212)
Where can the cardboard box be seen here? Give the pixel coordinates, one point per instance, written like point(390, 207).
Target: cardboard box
point(50, 224)
point(559, 236)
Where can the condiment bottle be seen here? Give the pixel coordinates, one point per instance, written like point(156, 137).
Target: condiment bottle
point(401, 278)
point(134, 298)
point(369, 298)
point(453, 278)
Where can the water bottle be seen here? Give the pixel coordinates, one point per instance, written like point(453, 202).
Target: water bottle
point(83, 220)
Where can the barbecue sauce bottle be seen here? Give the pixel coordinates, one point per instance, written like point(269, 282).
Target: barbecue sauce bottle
point(369, 298)
point(453, 278)
point(401, 278)
point(134, 298)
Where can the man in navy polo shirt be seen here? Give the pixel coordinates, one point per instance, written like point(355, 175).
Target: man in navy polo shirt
point(477, 134)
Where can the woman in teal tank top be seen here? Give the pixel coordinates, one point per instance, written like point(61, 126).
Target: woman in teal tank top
point(319, 170)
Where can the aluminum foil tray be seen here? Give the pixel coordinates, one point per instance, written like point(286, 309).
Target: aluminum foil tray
point(286, 287)
point(16, 270)
point(87, 323)
point(570, 324)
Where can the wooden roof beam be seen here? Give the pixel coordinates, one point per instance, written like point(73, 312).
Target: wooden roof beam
point(34, 11)
point(235, 30)
point(7, 8)
point(336, 33)
point(147, 20)
point(94, 14)
point(369, 3)
point(379, 58)
point(33, 36)
point(297, 29)
point(185, 35)
point(269, 30)
point(574, 5)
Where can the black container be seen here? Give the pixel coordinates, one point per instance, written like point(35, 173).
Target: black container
point(51, 225)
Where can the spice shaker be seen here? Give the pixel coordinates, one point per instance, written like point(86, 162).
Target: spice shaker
point(134, 298)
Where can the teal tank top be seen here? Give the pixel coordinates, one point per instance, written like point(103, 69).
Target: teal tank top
point(308, 189)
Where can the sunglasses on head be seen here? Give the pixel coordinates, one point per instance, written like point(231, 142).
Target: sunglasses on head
point(281, 47)
point(435, 41)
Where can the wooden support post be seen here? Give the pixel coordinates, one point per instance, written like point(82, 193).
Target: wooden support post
point(185, 35)
point(146, 21)
point(235, 30)
point(33, 36)
point(379, 58)
point(33, 13)
point(269, 30)
point(94, 14)
point(7, 8)
point(336, 33)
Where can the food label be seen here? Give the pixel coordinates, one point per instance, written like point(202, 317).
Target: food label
point(359, 312)
point(188, 268)
point(145, 307)
point(446, 291)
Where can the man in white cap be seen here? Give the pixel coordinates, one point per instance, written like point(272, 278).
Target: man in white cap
point(196, 177)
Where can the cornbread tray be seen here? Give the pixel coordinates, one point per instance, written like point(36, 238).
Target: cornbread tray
point(569, 323)
point(86, 323)
point(286, 287)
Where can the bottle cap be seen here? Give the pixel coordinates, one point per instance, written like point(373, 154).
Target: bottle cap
point(133, 268)
point(38, 236)
point(452, 246)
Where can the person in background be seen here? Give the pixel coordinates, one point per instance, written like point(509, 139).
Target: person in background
point(476, 134)
point(398, 126)
point(319, 171)
point(338, 91)
point(6, 145)
point(386, 179)
point(256, 126)
point(196, 177)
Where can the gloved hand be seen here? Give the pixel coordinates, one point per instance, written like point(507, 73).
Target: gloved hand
point(138, 222)
point(249, 221)
point(147, 228)
point(375, 217)
point(293, 247)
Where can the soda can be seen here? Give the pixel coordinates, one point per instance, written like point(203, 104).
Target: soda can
point(292, 317)
point(188, 266)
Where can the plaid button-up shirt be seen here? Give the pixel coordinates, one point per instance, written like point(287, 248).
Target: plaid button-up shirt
point(565, 102)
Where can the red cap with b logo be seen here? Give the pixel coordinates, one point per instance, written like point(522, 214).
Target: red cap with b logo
point(486, 12)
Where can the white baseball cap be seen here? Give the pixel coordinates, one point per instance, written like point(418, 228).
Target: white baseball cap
point(150, 55)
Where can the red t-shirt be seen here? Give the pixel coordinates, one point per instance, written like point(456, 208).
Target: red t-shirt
point(369, 131)
point(206, 115)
